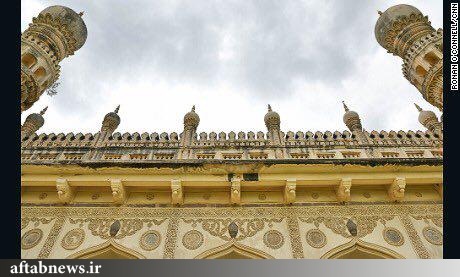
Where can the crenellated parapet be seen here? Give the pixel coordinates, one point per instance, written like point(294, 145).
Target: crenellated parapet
point(164, 147)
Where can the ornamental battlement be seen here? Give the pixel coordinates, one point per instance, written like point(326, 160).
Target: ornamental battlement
point(274, 144)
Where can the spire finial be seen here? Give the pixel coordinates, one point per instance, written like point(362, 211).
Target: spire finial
point(418, 107)
point(345, 106)
point(193, 108)
point(269, 108)
point(81, 14)
point(379, 12)
point(42, 112)
point(117, 109)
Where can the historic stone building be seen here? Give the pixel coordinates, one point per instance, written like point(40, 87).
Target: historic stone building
point(56, 33)
point(266, 194)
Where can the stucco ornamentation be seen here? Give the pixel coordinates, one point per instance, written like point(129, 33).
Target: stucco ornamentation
point(150, 240)
point(73, 239)
point(316, 238)
point(432, 235)
point(31, 238)
point(192, 240)
point(273, 239)
point(393, 236)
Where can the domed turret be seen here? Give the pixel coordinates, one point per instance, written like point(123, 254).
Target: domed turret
point(351, 119)
point(272, 119)
point(75, 28)
point(56, 33)
point(428, 119)
point(392, 24)
point(33, 123)
point(404, 31)
point(111, 121)
point(191, 119)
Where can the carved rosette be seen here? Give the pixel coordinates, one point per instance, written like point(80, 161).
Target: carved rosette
point(73, 239)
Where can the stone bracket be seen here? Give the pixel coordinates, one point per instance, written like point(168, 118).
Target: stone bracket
point(439, 188)
point(118, 191)
point(235, 190)
point(397, 188)
point(64, 191)
point(290, 191)
point(177, 196)
point(344, 190)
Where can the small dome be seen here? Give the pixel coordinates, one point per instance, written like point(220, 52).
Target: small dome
point(386, 19)
point(72, 19)
point(36, 119)
point(191, 118)
point(111, 121)
point(351, 118)
point(425, 116)
point(272, 119)
point(350, 115)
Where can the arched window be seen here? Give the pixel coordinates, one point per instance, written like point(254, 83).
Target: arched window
point(420, 71)
point(40, 73)
point(28, 60)
point(431, 58)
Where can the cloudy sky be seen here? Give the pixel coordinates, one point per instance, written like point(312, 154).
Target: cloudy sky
point(230, 59)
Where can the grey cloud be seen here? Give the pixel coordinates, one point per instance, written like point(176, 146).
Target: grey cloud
point(276, 44)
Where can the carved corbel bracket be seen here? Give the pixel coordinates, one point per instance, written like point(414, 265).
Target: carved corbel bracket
point(397, 188)
point(235, 190)
point(64, 191)
point(118, 191)
point(344, 190)
point(290, 191)
point(439, 188)
point(177, 196)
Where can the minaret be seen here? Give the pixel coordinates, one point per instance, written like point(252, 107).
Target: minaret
point(404, 31)
point(191, 122)
point(33, 123)
point(56, 33)
point(273, 124)
point(109, 124)
point(353, 123)
point(429, 120)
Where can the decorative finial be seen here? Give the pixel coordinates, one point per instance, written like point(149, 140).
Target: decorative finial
point(379, 12)
point(193, 108)
point(418, 107)
point(269, 108)
point(42, 112)
point(345, 106)
point(81, 14)
point(117, 109)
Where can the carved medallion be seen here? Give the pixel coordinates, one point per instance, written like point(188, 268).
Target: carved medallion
point(192, 240)
point(31, 238)
point(393, 236)
point(316, 238)
point(432, 235)
point(73, 239)
point(273, 239)
point(150, 240)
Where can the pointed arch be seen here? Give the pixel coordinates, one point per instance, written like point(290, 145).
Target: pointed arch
point(358, 249)
point(233, 250)
point(107, 250)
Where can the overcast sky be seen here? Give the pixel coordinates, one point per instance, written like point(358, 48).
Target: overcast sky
point(230, 59)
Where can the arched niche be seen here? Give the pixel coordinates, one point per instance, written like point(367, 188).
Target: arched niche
point(358, 249)
point(233, 250)
point(107, 250)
